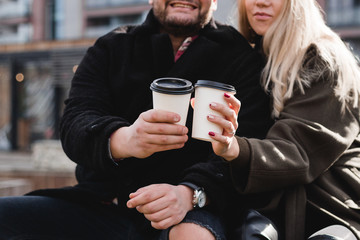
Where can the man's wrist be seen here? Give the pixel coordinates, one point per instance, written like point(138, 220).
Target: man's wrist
point(115, 160)
point(187, 194)
point(199, 199)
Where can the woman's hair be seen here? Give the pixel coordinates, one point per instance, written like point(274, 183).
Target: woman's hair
point(286, 43)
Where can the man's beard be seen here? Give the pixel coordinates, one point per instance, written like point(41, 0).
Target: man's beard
point(181, 27)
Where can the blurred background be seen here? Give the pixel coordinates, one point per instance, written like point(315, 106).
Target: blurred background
point(41, 44)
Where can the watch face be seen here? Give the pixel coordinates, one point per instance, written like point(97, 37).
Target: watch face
point(201, 200)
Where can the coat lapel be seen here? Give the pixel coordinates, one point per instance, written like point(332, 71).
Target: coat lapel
point(196, 59)
point(163, 57)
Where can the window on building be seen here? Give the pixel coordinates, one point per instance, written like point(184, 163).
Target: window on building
point(35, 107)
point(101, 25)
point(343, 13)
point(5, 112)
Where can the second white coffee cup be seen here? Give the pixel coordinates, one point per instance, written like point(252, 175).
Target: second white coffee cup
point(172, 94)
point(207, 92)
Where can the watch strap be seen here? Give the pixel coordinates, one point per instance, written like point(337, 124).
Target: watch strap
point(190, 185)
point(197, 190)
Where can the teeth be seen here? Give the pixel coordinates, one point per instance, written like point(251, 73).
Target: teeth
point(182, 5)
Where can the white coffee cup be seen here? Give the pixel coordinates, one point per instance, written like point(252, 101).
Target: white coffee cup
point(207, 92)
point(172, 94)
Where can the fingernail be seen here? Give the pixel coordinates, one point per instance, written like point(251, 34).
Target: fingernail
point(226, 95)
point(176, 118)
point(212, 134)
point(212, 104)
point(210, 116)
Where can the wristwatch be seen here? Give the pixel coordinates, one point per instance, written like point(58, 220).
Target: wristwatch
point(199, 196)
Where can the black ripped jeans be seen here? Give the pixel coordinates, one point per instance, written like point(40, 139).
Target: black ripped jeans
point(47, 218)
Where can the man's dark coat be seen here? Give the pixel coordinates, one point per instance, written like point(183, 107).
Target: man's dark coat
point(110, 90)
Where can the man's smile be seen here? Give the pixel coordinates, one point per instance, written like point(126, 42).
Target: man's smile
point(181, 4)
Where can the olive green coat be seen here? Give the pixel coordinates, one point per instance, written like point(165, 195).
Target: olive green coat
point(308, 164)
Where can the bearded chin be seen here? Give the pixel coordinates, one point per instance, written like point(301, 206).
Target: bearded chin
point(179, 27)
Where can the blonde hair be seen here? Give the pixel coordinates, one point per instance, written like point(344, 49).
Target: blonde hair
point(299, 26)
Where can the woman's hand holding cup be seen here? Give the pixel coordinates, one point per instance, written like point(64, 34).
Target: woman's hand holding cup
point(215, 117)
point(225, 144)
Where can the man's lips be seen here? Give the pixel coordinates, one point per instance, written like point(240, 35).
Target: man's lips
point(183, 5)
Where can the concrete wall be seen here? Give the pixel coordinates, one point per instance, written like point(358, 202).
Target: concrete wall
point(226, 11)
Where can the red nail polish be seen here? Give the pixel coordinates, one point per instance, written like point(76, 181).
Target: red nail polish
point(212, 134)
point(226, 95)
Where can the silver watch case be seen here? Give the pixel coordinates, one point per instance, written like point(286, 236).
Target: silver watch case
point(199, 198)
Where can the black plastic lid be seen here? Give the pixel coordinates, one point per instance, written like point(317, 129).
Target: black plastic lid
point(172, 86)
point(216, 85)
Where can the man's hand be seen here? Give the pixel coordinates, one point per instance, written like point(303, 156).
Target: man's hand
point(163, 204)
point(154, 131)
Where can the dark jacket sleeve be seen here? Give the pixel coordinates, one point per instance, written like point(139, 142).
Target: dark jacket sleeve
point(88, 121)
point(254, 121)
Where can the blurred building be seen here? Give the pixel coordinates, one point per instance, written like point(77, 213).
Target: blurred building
point(42, 41)
point(41, 44)
point(344, 17)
